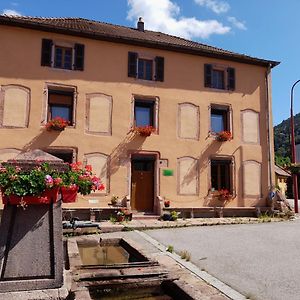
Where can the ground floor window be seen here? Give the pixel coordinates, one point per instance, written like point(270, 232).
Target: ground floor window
point(67, 155)
point(221, 175)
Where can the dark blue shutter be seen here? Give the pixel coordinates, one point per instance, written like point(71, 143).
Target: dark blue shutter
point(132, 64)
point(207, 75)
point(79, 57)
point(159, 68)
point(46, 52)
point(231, 79)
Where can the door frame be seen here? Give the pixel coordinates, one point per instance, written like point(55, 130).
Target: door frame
point(156, 173)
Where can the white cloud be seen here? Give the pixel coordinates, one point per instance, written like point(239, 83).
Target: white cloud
point(164, 15)
point(10, 12)
point(238, 24)
point(216, 6)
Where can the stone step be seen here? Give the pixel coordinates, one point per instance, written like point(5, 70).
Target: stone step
point(143, 216)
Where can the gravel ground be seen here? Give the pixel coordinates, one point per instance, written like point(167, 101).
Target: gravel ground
point(261, 261)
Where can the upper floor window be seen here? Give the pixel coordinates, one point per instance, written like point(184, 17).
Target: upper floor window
point(219, 118)
point(61, 56)
point(144, 113)
point(219, 77)
point(61, 104)
point(144, 68)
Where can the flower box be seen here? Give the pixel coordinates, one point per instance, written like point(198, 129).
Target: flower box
point(47, 197)
point(224, 136)
point(57, 124)
point(144, 130)
point(69, 194)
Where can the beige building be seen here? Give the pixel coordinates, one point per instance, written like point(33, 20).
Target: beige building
point(107, 80)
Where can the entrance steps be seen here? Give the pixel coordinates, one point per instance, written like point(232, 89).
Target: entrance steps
point(144, 216)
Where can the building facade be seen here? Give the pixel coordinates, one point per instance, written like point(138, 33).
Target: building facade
point(106, 80)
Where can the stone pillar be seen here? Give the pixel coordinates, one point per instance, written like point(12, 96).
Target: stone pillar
point(31, 248)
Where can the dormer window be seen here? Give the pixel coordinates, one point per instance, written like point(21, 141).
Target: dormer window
point(62, 56)
point(145, 68)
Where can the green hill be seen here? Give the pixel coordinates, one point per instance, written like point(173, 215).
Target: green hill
point(282, 139)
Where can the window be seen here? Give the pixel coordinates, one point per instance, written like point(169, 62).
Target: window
point(219, 119)
point(145, 68)
point(62, 57)
point(67, 155)
point(221, 175)
point(215, 77)
point(144, 113)
point(61, 104)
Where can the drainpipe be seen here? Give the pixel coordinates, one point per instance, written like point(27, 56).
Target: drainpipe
point(270, 128)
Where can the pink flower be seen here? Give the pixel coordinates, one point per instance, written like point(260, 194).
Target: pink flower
point(48, 181)
point(88, 168)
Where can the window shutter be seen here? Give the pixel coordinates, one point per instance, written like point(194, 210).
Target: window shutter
point(79, 57)
point(231, 79)
point(159, 68)
point(46, 52)
point(207, 75)
point(132, 64)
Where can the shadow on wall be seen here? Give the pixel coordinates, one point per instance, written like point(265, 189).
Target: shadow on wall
point(42, 140)
point(132, 141)
point(201, 163)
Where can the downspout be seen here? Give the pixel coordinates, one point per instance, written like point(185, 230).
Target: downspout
point(271, 160)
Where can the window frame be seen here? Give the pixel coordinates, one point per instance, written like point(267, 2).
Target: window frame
point(63, 49)
point(232, 172)
point(225, 110)
point(48, 54)
point(229, 77)
point(63, 150)
point(157, 66)
point(155, 110)
point(59, 88)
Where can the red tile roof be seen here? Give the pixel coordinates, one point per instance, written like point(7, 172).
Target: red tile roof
point(121, 34)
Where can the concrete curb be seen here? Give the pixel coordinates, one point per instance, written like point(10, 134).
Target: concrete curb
point(221, 286)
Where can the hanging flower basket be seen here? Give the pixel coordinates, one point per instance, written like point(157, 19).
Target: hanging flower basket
point(224, 136)
point(47, 197)
point(57, 124)
point(144, 130)
point(69, 194)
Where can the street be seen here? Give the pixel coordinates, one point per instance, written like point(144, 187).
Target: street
point(261, 261)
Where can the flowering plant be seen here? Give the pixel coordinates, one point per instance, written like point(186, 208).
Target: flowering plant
point(223, 136)
point(33, 182)
point(167, 203)
point(16, 181)
point(224, 194)
point(57, 123)
point(144, 130)
point(81, 177)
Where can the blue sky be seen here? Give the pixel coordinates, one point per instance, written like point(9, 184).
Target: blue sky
point(261, 28)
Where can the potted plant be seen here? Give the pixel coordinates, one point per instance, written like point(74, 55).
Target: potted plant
point(120, 216)
point(224, 136)
point(167, 203)
point(57, 123)
point(39, 185)
point(144, 130)
point(114, 200)
point(79, 179)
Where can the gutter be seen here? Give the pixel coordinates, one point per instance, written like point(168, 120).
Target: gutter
point(271, 161)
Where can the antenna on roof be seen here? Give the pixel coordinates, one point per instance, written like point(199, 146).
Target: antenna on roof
point(140, 24)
